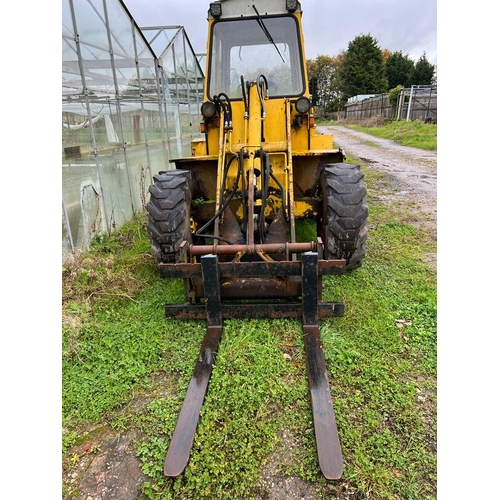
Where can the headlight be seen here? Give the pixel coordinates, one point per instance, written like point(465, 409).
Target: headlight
point(303, 105)
point(208, 109)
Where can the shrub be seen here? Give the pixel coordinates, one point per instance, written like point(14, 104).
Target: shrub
point(394, 95)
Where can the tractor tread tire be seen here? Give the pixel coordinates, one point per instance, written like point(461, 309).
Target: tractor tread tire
point(169, 210)
point(345, 213)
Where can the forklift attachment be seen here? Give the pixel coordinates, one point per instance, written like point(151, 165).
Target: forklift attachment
point(325, 427)
point(262, 208)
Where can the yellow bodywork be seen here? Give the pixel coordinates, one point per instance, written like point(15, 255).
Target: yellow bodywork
point(264, 124)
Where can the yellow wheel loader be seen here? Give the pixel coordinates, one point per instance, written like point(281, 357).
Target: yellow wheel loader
point(225, 219)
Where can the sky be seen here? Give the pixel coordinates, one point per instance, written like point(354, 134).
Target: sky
point(409, 26)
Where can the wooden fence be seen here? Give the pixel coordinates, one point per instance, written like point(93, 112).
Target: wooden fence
point(416, 103)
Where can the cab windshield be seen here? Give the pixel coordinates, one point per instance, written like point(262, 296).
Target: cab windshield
point(243, 47)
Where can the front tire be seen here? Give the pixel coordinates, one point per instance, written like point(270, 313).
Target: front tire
point(169, 211)
point(345, 213)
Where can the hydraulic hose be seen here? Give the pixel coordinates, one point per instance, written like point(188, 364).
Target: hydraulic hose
point(225, 104)
point(244, 92)
point(265, 192)
point(259, 91)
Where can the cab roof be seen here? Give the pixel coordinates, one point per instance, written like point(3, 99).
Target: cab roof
point(244, 8)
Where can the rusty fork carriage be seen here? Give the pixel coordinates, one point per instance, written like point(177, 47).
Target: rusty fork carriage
point(216, 277)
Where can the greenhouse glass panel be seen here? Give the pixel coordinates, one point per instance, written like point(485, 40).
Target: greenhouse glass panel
point(91, 23)
point(121, 123)
point(169, 72)
point(81, 201)
point(76, 134)
point(202, 61)
point(71, 77)
point(180, 70)
point(147, 70)
point(67, 21)
point(160, 39)
point(98, 73)
point(120, 28)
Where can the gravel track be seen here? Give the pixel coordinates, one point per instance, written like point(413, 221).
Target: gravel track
point(410, 172)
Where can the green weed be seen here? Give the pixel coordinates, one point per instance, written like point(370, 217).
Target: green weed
point(381, 360)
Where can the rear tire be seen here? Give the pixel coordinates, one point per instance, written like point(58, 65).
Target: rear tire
point(169, 211)
point(345, 213)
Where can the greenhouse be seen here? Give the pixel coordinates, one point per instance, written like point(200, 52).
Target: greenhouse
point(130, 103)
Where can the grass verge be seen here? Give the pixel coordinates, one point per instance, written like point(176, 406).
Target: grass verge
point(118, 348)
point(414, 133)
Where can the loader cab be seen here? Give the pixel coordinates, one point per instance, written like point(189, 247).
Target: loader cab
point(253, 44)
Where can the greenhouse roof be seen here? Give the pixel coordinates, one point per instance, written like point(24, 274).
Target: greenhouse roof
point(105, 54)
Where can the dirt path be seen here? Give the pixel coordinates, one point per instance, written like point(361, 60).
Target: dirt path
point(107, 467)
point(410, 172)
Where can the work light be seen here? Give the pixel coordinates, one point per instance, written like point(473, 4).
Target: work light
point(303, 105)
point(208, 109)
point(216, 9)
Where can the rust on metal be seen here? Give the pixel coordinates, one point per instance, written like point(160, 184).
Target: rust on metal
point(252, 249)
point(254, 310)
point(183, 437)
point(245, 269)
point(305, 276)
point(325, 426)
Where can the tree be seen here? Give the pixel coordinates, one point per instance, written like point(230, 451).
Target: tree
point(399, 70)
point(363, 68)
point(386, 53)
point(424, 72)
point(323, 73)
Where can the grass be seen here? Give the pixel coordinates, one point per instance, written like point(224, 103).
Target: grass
point(414, 133)
point(119, 349)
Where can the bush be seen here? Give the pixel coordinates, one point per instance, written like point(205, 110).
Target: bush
point(394, 95)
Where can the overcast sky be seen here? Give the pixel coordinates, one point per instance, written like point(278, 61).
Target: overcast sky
point(329, 25)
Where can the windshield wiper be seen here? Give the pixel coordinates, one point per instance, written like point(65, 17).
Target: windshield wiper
point(264, 29)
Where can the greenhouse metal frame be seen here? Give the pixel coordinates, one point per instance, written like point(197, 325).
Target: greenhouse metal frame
point(130, 104)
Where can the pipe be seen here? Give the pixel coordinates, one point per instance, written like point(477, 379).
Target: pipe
point(271, 248)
